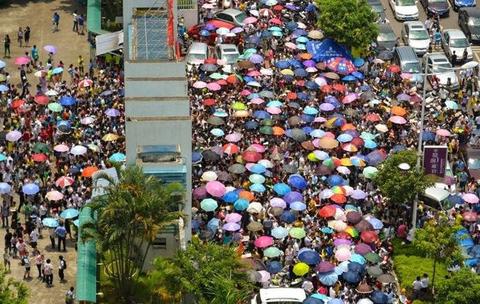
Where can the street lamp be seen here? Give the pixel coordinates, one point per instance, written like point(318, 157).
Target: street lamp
point(468, 65)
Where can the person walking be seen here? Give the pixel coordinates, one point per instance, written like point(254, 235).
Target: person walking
point(20, 36)
point(35, 56)
point(70, 296)
point(417, 288)
point(8, 238)
point(61, 234)
point(6, 260)
point(26, 35)
point(26, 264)
point(52, 238)
point(5, 214)
point(81, 24)
point(55, 21)
point(39, 260)
point(61, 268)
point(48, 272)
point(75, 22)
point(80, 64)
point(6, 46)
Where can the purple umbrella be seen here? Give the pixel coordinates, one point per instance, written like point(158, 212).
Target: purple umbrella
point(309, 63)
point(50, 49)
point(324, 267)
point(278, 202)
point(233, 218)
point(112, 112)
point(231, 227)
point(358, 194)
point(210, 27)
point(362, 248)
point(256, 58)
point(326, 107)
point(200, 193)
point(340, 242)
point(293, 196)
point(403, 97)
point(354, 217)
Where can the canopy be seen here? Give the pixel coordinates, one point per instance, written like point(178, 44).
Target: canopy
point(94, 20)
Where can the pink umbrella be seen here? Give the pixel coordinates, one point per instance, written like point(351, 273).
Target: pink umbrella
point(54, 195)
point(61, 148)
point(399, 120)
point(254, 73)
point(231, 227)
point(343, 253)
point(199, 193)
point(22, 60)
point(362, 248)
point(257, 147)
point(320, 119)
point(215, 188)
point(264, 241)
point(257, 101)
point(470, 198)
point(277, 202)
point(213, 86)
point(85, 83)
point(233, 218)
point(443, 132)
point(291, 45)
point(340, 242)
point(349, 98)
point(321, 81)
point(264, 276)
point(245, 92)
point(274, 110)
point(199, 85)
point(234, 137)
point(64, 181)
point(250, 20)
point(326, 107)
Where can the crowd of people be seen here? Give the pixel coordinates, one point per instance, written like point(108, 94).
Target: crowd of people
point(285, 148)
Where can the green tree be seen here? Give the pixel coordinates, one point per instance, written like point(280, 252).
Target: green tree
point(209, 272)
point(11, 291)
point(349, 22)
point(462, 287)
point(437, 240)
point(401, 186)
point(128, 219)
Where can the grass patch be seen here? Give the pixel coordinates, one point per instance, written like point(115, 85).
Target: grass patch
point(410, 263)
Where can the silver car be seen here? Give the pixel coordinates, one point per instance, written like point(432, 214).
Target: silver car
point(415, 34)
point(455, 41)
point(440, 71)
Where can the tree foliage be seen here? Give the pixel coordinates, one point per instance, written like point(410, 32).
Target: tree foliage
point(462, 287)
point(209, 272)
point(349, 22)
point(401, 186)
point(11, 291)
point(129, 217)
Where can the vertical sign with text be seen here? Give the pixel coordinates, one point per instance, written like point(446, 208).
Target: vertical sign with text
point(435, 160)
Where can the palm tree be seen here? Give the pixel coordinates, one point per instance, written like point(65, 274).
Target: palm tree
point(129, 217)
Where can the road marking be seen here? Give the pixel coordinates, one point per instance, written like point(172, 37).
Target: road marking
point(476, 51)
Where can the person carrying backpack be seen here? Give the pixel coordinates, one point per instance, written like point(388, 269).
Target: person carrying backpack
point(61, 268)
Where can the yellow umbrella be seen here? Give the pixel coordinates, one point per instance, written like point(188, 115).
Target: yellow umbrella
point(312, 157)
point(301, 269)
point(346, 162)
point(110, 137)
point(239, 106)
point(241, 113)
point(287, 72)
point(327, 143)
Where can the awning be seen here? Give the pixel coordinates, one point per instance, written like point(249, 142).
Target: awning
point(94, 17)
point(107, 43)
point(86, 263)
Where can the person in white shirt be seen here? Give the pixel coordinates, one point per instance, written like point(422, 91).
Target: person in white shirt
point(417, 288)
point(425, 282)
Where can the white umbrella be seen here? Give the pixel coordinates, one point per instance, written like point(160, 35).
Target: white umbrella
point(78, 150)
point(51, 93)
point(13, 135)
point(209, 176)
point(254, 207)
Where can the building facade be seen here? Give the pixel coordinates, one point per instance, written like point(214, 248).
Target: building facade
point(157, 110)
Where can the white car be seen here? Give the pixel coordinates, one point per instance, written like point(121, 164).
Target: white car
point(440, 70)
point(454, 40)
point(279, 295)
point(228, 53)
point(415, 34)
point(404, 9)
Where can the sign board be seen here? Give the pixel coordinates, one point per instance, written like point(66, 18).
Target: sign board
point(107, 43)
point(435, 160)
point(326, 50)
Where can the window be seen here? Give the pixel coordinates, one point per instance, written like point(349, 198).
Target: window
point(185, 4)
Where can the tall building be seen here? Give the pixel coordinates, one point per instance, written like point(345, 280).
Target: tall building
point(157, 110)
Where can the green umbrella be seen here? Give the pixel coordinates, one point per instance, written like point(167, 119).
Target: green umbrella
point(272, 252)
point(209, 204)
point(372, 257)
point(256, 178)
point(267, 122)
point(367, 136)
point(254, 226)
point(297, 233)
point(215, 121)
point(41, 148)
point(238, 106)
point(374, 271)
point(267, 130)
point(370, 172)
point(217, 76)
point(55, 107)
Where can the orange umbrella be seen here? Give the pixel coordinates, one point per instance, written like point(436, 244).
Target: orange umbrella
point(278, 131)
point(348, 126)
point(396, 110)
point(247, 195)
point(327, 143)
point(230, 149)
point(232, 79)
point(305, 56)
point(339, 198)
point(88, 171)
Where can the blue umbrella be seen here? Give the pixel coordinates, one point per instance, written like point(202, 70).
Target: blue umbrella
point(376, 223)
point(356, 267)
point(274, 267)
point(204, 33)
point(64, 125)
point(257, 168)
point(310, 110)
point(370, 144)
point(358, 62)
point(117, 157)
point(311, 300)
point(261, 114)
point(5, 188)
point(357, 259)
point(302, 39)
point(291, 25)
point(3, 157)
point(358, 75)
point(335, 180)
point(379, 297)
point(311, 85)
point(240, 204)
point(279, 232)
point(299, 32)
point(299, 72)
point(251, 125)
point(282, 64)
point(57, 70)
point(303, 96)
point(281, 189)
point(342, 267)
point(76, 223)
point(328, 278)
point(288, 217)
point(428, 136)
point(297, 181)
point(259, 188)
point(349, 78)
point(310, 257)
point(2, 64)
point(230, 197)
point(351, 277)
point(69, 213)
point(67, 101)
point(475, 251)
point(213, 224)
point(455, 199)
point(217, 132)
point(275, 103)
point(335, 301)
point(3, 88)
point(298, 206)
point(293, 196)
point(210, 27)
point(320, 296)
point(50, 222)
point(398, 148)
point(343, 138)
point(30, 189)
point(196, 157)
point(326, 230)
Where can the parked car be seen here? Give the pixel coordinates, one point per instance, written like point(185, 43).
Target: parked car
point(232, 16)
point(408, 61)
point(228, 53)
point(378, 8)
point(415, 34)
point(386, 38)
point(279, 295)
point(436, 7)
point(455, 41)
point(404, 9)
point(441, 71)
point(197, 53)
point(462, 3)
point(469, 23)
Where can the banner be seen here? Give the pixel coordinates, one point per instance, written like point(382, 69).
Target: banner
point(326, 50)
point(170, 26)
point(435, 160)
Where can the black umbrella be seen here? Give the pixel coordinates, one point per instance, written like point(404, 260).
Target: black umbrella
point(236, 168)
point(210, 156)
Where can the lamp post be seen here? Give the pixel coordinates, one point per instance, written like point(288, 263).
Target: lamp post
point(468, 65)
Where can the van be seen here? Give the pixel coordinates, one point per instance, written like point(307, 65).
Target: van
point(228, 53)
point(279, 295)
point(197, 53)
point(406, 58)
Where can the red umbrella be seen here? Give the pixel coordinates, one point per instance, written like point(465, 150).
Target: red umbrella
point(64, 181)
point(357, 142)
point(232, 79)
point(373, 117)
point(339, 87)
point(326, 88)
point(327, 211)
point(209, 102)
point(470, 216)
point(275, 21)
point(251, 156)
point(369, 236)
point(41, 99)
point(18, 103)
point(339, 198)
point(222, 82)
point(39, 157)
point(278, 8)
point(230, 149)
point(394, 68)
